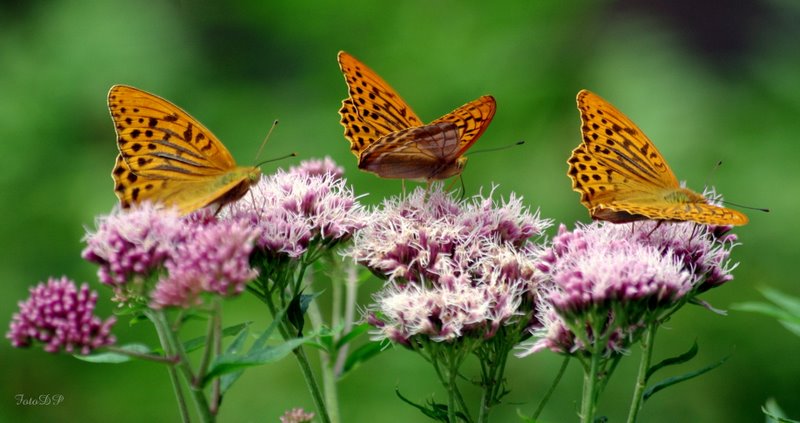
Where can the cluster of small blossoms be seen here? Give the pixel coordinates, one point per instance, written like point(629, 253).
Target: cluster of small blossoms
point(61, 316)
point(297, 415)
point(213, 257)
point(199, 252)
point(454, 268)
point(625, 277)
point(291, 210)
point(132, 243)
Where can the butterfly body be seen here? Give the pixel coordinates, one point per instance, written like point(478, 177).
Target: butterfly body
point(622, 177)
point(168, 157)
point(389, 139)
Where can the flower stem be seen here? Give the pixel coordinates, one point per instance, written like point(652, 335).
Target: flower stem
point(552, 388)
point(641, 379)
point(311, 381)
point(172, 346)
point(589, 400)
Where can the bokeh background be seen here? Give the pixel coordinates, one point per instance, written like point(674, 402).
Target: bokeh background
point(707, 81)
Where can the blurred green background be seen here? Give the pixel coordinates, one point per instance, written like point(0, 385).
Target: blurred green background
point(707, 81)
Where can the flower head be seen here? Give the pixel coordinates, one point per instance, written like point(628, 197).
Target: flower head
point(132, 242)
point(60, 315)
point(213, 257)
point(318, 167)
point(293, 209)
point(626, 276)
point(454, 268)
point(297, 415)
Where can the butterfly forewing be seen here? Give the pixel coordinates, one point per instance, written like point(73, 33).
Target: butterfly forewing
point(374, 108)
point(157, 138)
point(168, 157)
point(617, 142)
point(622, 177)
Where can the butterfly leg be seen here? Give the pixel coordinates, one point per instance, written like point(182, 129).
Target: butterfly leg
point(658, 223)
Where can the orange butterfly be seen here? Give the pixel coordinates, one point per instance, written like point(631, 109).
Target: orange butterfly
point(622, 177)
point(166, 156)
point(391, 141)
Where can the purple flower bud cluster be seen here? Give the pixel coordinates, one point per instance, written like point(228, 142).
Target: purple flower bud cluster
point(297, 415)
point(130, 243)
point(213, 257)
point(626, 276)
point(61, 316)
point(292, 209)
point(454, 268)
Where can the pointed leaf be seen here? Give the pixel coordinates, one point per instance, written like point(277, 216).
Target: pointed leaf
point(354, 333)
point(361, 355)
point(681, 378)
point(774, 413)
point(228, 379)
point(199, 342)
point(435, 413)
point(225, 364)
point(115, 357)
point(672, 361)
point(789, 303)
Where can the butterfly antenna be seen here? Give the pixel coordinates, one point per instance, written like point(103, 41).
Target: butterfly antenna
point(463, 188)
point(713, 171)
point(263, 143)
point(761, 209)
point(276, 159)
point(487, 150)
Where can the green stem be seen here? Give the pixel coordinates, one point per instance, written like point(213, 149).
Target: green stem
point(311, 381)
point(552, 388)
point(285, 329)
point(641, 379)
point(588, 402)
point(172, 346)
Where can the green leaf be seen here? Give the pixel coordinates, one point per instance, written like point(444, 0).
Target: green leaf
point(227, 380)
point(227, 363)
point(354, 333)
point(789, 303)
point(199, 342)
point(681, 378)
point(673, 361)
point(436, 411)
point(115, 357)
point(361, 355)
point(774, 413)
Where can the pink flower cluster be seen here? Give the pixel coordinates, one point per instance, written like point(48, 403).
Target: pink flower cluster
point(626, 276)
point(61, 316)
point(454, 268)
point(292, 209)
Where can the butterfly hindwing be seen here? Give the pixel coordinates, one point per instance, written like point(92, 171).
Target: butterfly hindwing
point(471, 120)
point(414, 153)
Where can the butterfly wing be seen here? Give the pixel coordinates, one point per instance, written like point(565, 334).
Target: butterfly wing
point(158, 139)
point(373, 108)
point(471, 119)
point(422, 153)
point(186, 195)
point(166, 156)
point(622, 177)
